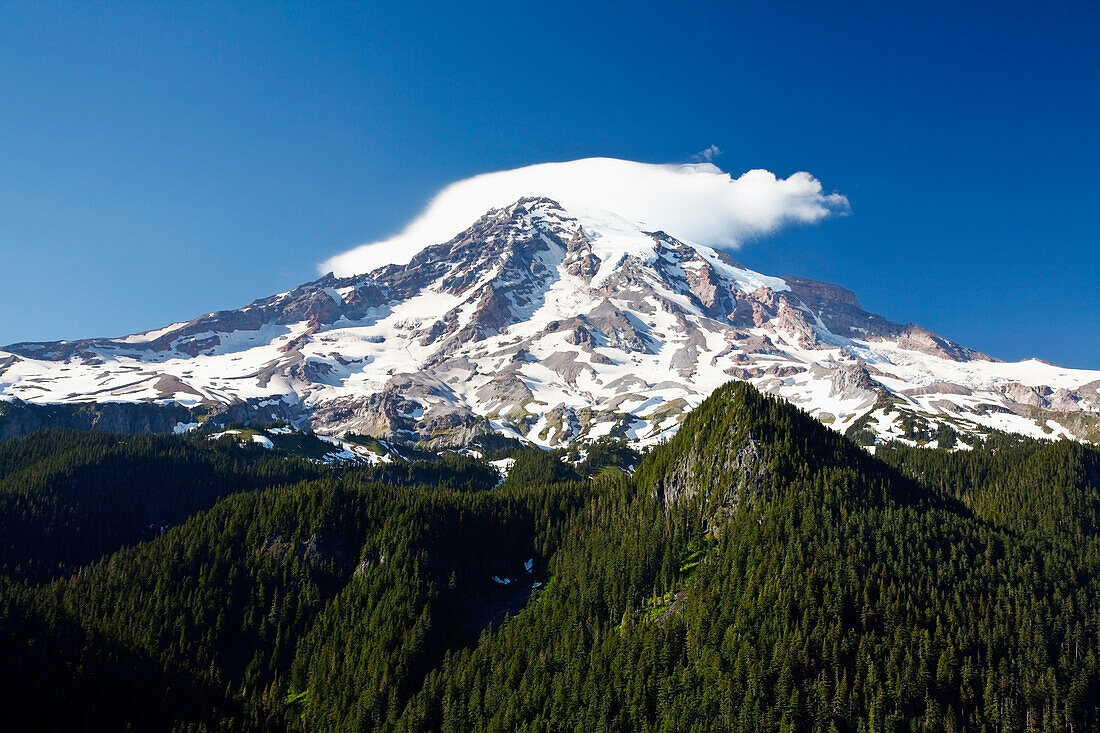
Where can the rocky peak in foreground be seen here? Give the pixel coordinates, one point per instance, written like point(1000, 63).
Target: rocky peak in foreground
point(554, 326)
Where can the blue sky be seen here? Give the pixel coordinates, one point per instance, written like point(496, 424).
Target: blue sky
point(158, 161)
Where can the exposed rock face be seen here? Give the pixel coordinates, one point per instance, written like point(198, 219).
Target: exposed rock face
point(920, 339)
point(551, 326)
point(839, 309)
point(1024, 395)
point(265, 410)
point(746, 472)
point(938, 388)
point(819, 296)
point(113, 417)
point(850, 381)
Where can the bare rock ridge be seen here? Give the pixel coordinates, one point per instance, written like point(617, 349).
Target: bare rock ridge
point(555, 326)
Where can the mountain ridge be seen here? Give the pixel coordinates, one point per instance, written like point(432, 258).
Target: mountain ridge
point(555, 326)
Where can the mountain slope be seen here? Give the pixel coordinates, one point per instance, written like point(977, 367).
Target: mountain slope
point(757, 572)
point(795, 584)
point(554, 326)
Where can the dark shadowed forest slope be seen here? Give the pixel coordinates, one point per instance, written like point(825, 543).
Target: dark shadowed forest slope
point(756, 572)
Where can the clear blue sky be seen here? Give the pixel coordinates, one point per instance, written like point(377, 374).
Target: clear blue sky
point(158, 161)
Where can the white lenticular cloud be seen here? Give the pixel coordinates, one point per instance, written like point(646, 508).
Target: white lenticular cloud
point(695, 202)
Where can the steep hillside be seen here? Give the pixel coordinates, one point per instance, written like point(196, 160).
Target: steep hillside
point(758, 571)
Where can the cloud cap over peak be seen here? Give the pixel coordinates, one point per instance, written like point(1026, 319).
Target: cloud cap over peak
point(694, 202)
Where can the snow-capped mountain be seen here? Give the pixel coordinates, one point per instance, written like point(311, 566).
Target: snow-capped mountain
point(555, 325)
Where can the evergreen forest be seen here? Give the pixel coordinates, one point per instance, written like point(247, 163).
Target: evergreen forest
point(757, 572)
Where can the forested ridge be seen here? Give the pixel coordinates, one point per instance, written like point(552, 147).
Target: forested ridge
point(758, 571)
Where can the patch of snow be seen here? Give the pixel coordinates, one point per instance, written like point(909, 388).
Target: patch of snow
point(142, 338)
point(503, 466)
point(264, 441)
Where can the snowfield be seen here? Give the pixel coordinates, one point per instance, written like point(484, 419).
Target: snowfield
point(554, 325)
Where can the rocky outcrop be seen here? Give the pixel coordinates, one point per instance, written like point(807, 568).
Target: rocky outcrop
point(742, 466)
point(259, 411)
point(619, 330)
point(938, 388)
point(915, 338)
point(850, 381)
point(683, 268)
point(840, 310)
point(20, 418)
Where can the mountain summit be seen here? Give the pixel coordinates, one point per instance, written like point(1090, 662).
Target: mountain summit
point(557, 325)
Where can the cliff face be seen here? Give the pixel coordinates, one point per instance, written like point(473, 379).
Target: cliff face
point(20, 418)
